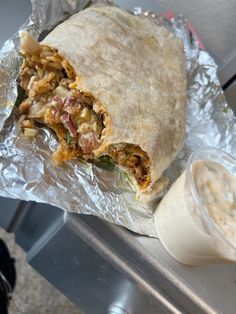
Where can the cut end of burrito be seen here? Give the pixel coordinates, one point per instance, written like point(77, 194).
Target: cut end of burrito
point(50, 84)
point(79, 121)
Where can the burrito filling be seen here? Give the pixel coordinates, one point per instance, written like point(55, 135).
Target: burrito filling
point(53, 99)
point(132, 157)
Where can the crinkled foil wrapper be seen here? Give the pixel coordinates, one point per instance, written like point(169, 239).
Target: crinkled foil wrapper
point(27, 171)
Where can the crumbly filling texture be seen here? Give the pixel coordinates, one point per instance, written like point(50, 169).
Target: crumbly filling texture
point(50, 84)
point(132, 157)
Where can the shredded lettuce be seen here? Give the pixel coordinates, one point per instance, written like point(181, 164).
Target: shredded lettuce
point(68, 138)
point(128, 178)
point(82, 161)
point(105, 162)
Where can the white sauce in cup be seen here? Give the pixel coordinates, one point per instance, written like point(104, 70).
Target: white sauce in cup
point(196, 219)
point(216, 189)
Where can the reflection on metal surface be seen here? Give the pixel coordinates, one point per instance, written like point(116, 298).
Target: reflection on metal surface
point(81, 272)
point(18, 216)
point(114, 309)
point(125, 301)
point(47, 236)
point(95, 278)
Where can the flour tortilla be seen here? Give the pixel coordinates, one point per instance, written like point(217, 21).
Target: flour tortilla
point(135, 70)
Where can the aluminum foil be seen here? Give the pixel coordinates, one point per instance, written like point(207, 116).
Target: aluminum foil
point(27, 171)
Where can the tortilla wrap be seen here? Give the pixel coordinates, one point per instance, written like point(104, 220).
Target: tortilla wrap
point(128, 71)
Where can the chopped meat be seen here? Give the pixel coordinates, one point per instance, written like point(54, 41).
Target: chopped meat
point(69, 101)
point(57, 101)
point(25, 77)
point(64, 152)
point(56, 115)
point(24, 106)
point(69, 124)
point(134, 159)
point(27, 124)
point(88, 142)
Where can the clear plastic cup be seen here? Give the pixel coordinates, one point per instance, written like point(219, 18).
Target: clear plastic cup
point(185, 227)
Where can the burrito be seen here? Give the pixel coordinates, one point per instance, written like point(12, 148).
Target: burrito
point(110, 85)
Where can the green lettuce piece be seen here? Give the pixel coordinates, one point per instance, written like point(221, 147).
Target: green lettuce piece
point(105, 162)
point(68, 138)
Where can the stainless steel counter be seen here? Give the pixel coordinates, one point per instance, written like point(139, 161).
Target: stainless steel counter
point(107, 269)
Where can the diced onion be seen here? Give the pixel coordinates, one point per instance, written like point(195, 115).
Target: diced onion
point(61, 91)
point(85, 114)
point(29, 132)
